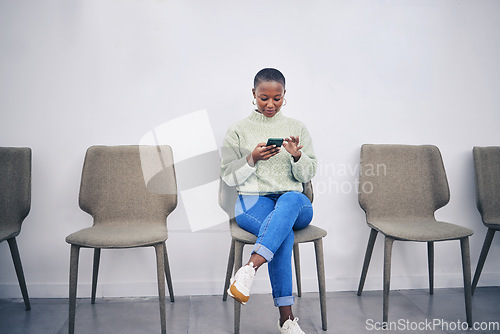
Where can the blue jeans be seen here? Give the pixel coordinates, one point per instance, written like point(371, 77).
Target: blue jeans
point(273, 218)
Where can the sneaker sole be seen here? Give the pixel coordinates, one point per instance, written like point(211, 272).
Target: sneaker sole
point(237, 295)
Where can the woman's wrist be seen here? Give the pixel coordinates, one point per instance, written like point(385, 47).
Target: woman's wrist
point(250, 160)
point(297, 156)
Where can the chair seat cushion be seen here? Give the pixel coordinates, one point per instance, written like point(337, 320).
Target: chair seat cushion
point(421, 230)
point(9, 233)
point(241, 235)
point(307, 234)
point(494, 224)
point(119, 236)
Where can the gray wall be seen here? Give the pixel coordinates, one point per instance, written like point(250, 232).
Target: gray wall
point(80, 73)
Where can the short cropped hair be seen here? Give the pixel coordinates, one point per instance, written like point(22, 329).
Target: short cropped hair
point(269, 74)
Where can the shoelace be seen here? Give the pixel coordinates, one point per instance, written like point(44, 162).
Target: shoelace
point(247, 275)
point(294, 326)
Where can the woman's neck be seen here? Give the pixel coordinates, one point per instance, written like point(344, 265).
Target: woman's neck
point(259, 117)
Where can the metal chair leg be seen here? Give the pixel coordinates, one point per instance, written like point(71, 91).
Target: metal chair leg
point(430, 260)
point(160, 271)
point(366, 263)
point(482, 258)
point(296, 259)
point(320, 266)
point(168, 275)
point(16, 258)
point(464, 246)
point(229, 270)
point(73, 283)
point(387, 276)
point(238, 262)
point(95, 273)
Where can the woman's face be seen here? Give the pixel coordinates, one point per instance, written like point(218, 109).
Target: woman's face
point(269, 96)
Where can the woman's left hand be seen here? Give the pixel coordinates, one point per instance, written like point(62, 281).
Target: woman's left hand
point(292, 146)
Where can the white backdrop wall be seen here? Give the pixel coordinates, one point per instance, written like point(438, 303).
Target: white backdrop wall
point(80, 73)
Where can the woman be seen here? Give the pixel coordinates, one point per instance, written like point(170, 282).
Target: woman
point(269, 180)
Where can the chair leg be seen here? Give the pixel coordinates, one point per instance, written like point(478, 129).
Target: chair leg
point(430, 260)
point(296, 259)
point(16, 258)
point(366, 263)
point(95, 273)
point(464, 245)
point(160, 270)
point(482, 258)
point(387, 276)
point(73, 283)
point(167, 275)
point(238, 262)
point(229, 270)
point(320, 266)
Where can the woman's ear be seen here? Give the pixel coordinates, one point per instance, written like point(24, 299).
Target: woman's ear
point(253, 92)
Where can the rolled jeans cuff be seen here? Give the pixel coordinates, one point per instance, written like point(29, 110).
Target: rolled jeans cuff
point(284, 301)
point(263, 251)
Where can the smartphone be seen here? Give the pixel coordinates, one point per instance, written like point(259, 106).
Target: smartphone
point(275, 141)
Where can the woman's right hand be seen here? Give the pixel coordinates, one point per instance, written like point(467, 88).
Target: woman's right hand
point(262, 152)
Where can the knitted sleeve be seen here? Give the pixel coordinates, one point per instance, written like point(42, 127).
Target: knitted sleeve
point(305, 168)
point(234, 166)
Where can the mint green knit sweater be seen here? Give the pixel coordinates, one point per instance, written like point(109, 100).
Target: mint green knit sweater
point(277, 174)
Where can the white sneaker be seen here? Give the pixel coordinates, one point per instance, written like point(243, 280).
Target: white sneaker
point(290, 327)
point(241, 283)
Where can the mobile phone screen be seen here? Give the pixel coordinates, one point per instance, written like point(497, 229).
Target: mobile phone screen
point(275, 141)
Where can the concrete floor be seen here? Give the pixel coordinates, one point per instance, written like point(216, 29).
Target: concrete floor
point(347, 313)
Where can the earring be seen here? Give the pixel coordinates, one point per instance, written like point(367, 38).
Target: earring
point(254, 101)
point(284, 102)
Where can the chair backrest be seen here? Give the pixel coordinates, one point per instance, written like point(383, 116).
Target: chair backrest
point(401, 182)
point(487, 173)
point(15, 188)
point(228, 195)
point(114, 188)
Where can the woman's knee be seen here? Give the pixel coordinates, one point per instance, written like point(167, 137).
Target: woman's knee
point(301, 202)
point(304, 218)
point(295, 198)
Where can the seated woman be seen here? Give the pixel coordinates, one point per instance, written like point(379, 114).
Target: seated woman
point(269, 180)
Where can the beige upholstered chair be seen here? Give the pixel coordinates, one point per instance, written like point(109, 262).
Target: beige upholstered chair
point(240, 238)
point(128, 210)
point(400, 188)
point(15, 203)
point(487, 171)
